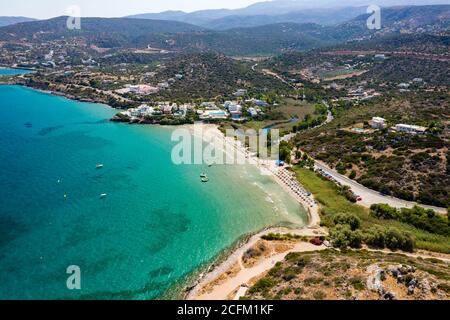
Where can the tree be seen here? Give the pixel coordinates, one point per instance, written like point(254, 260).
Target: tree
point(343, 237)
point(383, 211)
point(347, 219)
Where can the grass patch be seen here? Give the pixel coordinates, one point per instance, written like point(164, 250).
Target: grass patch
point(332, 203)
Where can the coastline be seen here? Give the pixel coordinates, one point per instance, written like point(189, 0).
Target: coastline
point(240, 243)
point(210, 133)
point(56, 94)
point(19, 81)
point(231, 254)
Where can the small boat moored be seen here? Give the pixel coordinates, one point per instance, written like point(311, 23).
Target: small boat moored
point(103, 196)
point(99, 166)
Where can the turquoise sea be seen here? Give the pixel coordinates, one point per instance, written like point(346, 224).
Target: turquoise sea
point(158, 225)
point(13, 72)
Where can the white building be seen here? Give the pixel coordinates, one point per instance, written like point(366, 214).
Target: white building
point(233, 106)
point(212, 114)
point(240, 93)
point(378, 123)
point(141, 111)
point(410, 128)
point(141, 89)
point(252, 112)
point(209, 106)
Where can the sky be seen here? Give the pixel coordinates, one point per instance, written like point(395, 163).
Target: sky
point(110, 8)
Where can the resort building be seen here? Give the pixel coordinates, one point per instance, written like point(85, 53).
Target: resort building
point(410, 129)
point(212, 114)
point(237, 116)
point(252, 112)
point(141, 111)
point(233, 106)
point(209, 106)
point(143, 89)
point(259, 103)
point(140, 89)
point(240, 93)
point(378, 123)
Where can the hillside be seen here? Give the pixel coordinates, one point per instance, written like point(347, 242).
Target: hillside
point(405, 19)
point(319, 16)
point(258, 40)
point(413, 56)
point(279, 11)
point(209, 75)
point(353, 275)
point(122, 31)
point(6, 21)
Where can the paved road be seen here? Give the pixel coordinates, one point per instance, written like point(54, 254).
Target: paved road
point(370, 196)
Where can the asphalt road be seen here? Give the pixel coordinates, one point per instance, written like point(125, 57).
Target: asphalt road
point(370, 196)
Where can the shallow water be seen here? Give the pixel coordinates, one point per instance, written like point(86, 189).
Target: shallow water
point(158, 223)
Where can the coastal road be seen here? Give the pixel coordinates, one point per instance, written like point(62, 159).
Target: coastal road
point(370, 196)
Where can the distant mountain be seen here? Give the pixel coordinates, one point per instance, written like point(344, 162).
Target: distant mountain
point(257, 40)
point(320, 16)
point(279, 11)
point(197, 18)
point(6, 21)
point(409, 19)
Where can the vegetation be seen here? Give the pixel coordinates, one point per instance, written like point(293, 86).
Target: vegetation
point(280, 237)
point(410, 167)
point(343, 274)
point(420, 218)
point(336, 208)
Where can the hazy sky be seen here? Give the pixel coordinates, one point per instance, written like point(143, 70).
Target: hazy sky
point(110, 8)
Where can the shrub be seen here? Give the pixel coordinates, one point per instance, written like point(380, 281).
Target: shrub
point(319, 295)
point(343, 236)
point(357, 283)
point(347, 219)
point(383, 211)
point(352, 174)
point(263, 284)
point(389, 238)
point(289, 274)
point(418, 217)
point(444, 287)
point(425, 219)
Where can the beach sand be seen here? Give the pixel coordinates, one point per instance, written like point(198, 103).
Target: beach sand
point(237, 281)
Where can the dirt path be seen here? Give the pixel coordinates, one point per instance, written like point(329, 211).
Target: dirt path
point(244, 276)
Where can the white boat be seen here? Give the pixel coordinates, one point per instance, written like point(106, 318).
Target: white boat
point(103, 195)
point(99, 166)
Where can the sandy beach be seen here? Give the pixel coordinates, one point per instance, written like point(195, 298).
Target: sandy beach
point(235, 284)
point(234, 148)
